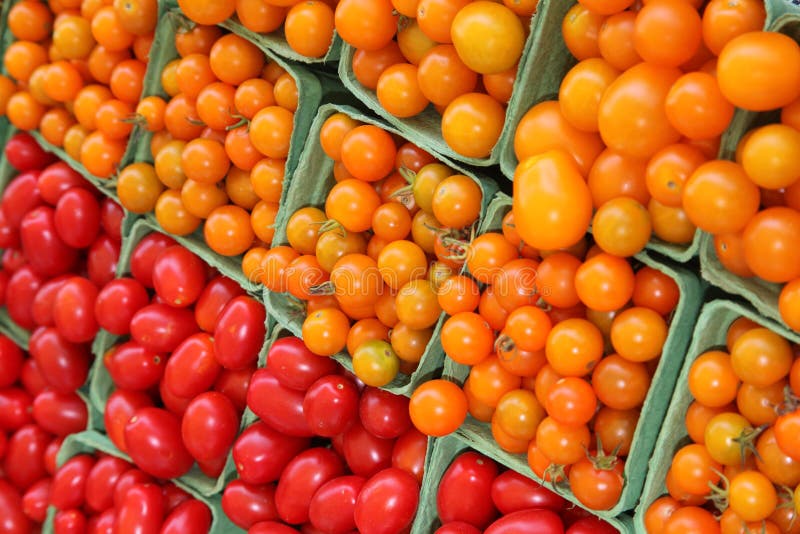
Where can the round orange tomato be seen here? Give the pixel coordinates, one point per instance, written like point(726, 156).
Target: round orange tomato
point(488, 36)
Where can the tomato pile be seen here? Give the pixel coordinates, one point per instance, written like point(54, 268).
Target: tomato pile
point(328, 451)
point(474, 491)
point(742, 467)
point(457, 56)
point(76, 72)
point(100, 493)
point(378, 250)
point(219, 142)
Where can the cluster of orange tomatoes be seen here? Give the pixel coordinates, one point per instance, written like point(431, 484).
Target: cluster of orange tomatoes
point(377, 251)
point(75, 73)
point(741, 471)
point(459, 56)
point(641, 115)
point(219, 142)
point(562, 346)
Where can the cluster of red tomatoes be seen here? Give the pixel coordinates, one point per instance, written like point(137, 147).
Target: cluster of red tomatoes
point(195, 343)
point(560, 346)
point(75, 73)
point(103, 493)
point(60, 242)
point(219, 142)
point(741, 470)
point(474, 491)
point(378, 250)
point(328, 455)
point(459, 56)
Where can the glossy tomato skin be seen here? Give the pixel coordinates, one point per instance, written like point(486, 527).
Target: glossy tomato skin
point(161, 328)
point(300, 480)
point(24, 153)
point(179, 276)
point(102, 259)
point(15, 408)
point(77, 217)
point(46, 252)
point(192, 367)
point(73, 310)
point(20, 196)
point(104, 523)
point(120, 407)
point(213, 299)
point(36, 500)
point(544, 521)
point(44, 302)
point(512, 492)
point(330, 405)
point(365, 453)
point(12, 516)
point(133, 366)
point(101, 481)
point(591, 525)
point(60, 413)
point(24, 460)
point(69, 483)
point(153, 439)
point(271, 527)
point(58, 178)
point(261, 453)
point(70, 521)
point(141, 511)
point(21, 292)
point(465, 492)
point(235, 384)
point(383, 413)
point(246, 505)
point(64, 365)
point(457, 527)
point(279, 406)
point(126, 481)
point(111, 215)
point(408, 452)
point(209, 426)
point(189, 517)
point(11, 360)
point(295, 366)
point(144, 256)
point(239, 333)
point(117, 303)
point(387, 502)
point(333, 505)
point(51, 455)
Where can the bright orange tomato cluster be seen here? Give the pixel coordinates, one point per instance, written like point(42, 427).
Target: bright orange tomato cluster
point(307, 25)
point(642, 113)
point(458, 55)
point(220, 142)
point(562, 346)
point(377, 251)
point(75, 73)
point(744, 424)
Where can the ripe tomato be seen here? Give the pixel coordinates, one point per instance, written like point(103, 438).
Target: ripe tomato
point(60, 413)
point(760, 70)
point(512, 492)
point(239, 333)
point(161, 328)
point(209, 426)
point(246, 505)
point(145, 254)
point(47, 253)
point(11, 510)
point(383, 413)
point(153, 440)
point(179, 276)
point(141, 510)
point(120, 407)
point(332, 507)
point(667, 33)
point(596, 485)
point(552, 203)
point(366, 25)
point(365, 453)
point(101, 481)
point(387, 502)
point(189, 516)
point(73, 310)
point(11, 360)
point(527, 520)
point(465, 490)
point(330, 405)
point(68, 488)
point(261, 453)
point(301, 479)
point(24, 460)
point(64, 365)
point(117, 303)
point(276, 404)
